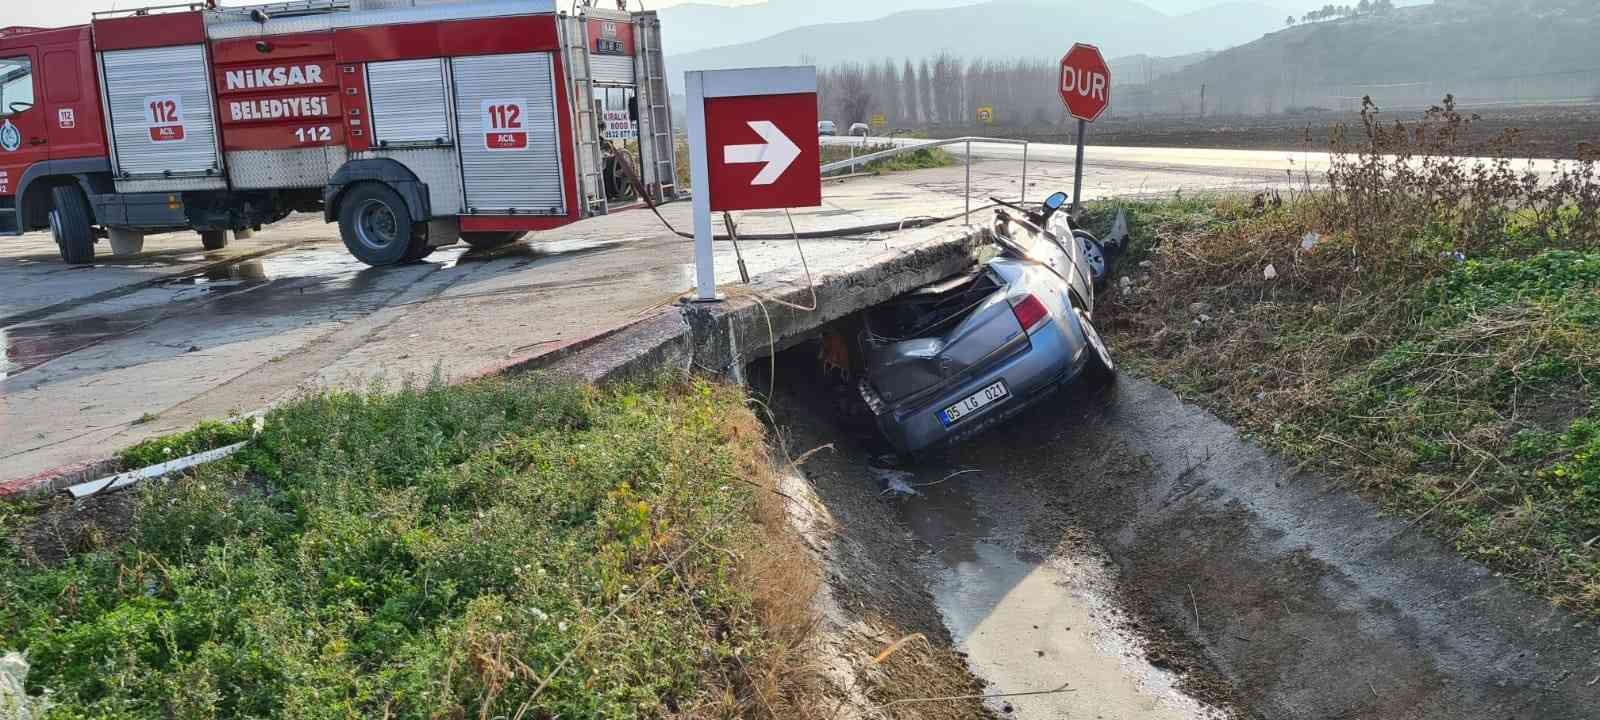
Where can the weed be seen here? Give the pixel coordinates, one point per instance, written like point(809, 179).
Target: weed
point(1436, 341)
point(438, 552)
point(208, 435)
point(915, 160)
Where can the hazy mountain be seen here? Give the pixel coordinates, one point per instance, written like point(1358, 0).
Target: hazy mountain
point(699, 25)
point(1479, 50)
point(999, 29)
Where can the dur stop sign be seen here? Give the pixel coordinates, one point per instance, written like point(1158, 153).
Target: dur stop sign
point(1085, 88)
point(1085, 82)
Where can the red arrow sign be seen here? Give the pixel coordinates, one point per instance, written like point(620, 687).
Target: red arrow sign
point(763, 152)
point(1085, 82)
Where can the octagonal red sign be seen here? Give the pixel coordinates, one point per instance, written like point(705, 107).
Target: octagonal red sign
point(1085, 84)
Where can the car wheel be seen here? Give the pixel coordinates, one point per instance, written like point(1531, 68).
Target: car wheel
point(491, 240)
point(69, 223)
point(1095, 254)
point(214, 239)
point(377, 227)
point(1099, 369)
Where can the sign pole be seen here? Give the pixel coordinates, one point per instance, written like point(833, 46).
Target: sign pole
point(1077, 171)
point(705, 272)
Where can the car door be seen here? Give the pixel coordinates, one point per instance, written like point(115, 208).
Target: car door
point(24, 134)
point(69, 102)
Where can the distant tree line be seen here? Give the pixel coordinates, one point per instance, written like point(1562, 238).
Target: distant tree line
point(944, 90)
point(1334, 12)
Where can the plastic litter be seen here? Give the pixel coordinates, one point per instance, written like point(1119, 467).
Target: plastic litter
point(1119, 229)
point(1271, 273)
point(895, 481)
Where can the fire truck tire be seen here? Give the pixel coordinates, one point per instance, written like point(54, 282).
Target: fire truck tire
point(377, 227)
point(491, 240)
point(125, 242)
point(69, 223)
point(418, 251)
point(214, 239)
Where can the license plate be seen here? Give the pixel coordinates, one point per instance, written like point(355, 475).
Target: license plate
point(973, 403)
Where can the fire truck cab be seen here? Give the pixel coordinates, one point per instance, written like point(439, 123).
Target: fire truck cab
point(411, 123)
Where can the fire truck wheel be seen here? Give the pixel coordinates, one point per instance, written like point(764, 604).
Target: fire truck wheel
point(124, 241)
point(490, 240)
point(69, 223)
point(214, 239)
point(376, 226)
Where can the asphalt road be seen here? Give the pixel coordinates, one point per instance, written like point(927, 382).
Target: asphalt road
point(1275, 167)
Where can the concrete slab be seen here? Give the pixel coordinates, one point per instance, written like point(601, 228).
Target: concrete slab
point(97, 359)
point(136, 350)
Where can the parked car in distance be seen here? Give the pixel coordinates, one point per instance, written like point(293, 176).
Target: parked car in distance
point(827, 128)
point(860, 130)
point(949, 360)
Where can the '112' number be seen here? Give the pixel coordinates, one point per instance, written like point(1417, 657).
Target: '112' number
point(313, 134)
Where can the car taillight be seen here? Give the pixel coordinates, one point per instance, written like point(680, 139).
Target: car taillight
point(1030, 312)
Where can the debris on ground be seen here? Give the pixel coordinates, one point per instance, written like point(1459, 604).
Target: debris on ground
point(895, 481)
point(14, 700)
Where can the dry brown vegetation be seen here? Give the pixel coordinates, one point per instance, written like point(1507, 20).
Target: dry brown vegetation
point(1426, 326)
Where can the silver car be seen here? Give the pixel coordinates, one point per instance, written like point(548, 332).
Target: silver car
point(949, 360)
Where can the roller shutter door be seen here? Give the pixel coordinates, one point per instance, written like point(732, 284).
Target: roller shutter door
point(612, 69)
point(161, 108)
point(510, 141)
point(409, 106)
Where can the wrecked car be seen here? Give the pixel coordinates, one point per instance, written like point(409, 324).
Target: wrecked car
point(949, 360)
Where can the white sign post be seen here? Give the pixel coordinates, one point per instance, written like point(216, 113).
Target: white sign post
point(708, 85)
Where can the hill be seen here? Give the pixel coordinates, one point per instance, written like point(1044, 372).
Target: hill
point(999, 29)
point(1482, 51)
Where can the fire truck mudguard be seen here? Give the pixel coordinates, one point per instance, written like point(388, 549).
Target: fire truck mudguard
point(91, 175)
point(379, 170)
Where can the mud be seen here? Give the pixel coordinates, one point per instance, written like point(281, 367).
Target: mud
point(1198, 574)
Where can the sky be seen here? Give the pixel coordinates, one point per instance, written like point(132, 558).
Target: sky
point(55, 13)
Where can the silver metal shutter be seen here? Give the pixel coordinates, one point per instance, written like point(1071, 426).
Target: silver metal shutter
point(409, 105)
point(612, 68)
point(132, 78)
point(525, 181)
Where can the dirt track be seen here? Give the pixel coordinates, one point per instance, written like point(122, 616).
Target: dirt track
point(1195, 555)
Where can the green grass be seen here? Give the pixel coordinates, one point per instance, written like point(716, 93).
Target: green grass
point(914, 160)
point(1458, 393)
point(426, 553)
point(208, 435)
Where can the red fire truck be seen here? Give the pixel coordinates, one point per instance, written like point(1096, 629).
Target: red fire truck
point(411, 123)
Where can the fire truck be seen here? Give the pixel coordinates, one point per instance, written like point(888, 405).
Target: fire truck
point(411, 123)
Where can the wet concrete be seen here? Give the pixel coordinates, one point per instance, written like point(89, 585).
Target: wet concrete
point(156, 343)
point(1195, 570)
point(1031, 616)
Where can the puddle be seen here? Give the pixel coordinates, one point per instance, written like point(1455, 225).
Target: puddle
point(33, 345)
point(1029, 623)
point(272, 287)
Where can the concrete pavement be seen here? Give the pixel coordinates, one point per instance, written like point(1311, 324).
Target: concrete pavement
point(101, 357)
point(98, 358)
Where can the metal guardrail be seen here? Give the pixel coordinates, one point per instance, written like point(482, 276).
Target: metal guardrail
point(859, 160)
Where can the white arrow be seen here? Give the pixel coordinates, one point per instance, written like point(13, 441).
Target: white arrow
point(779, 152)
